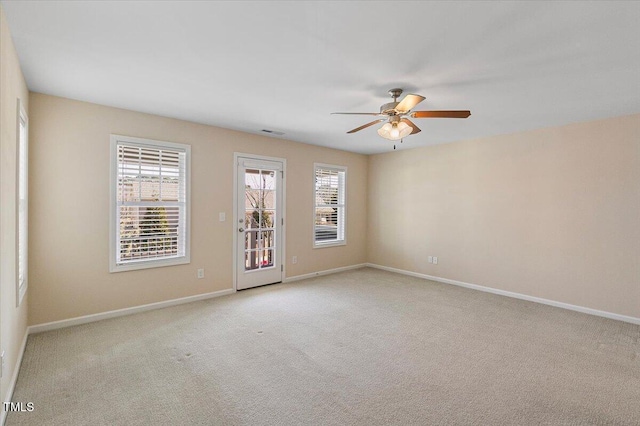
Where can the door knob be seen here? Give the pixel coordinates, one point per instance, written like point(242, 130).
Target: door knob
point(241, 230)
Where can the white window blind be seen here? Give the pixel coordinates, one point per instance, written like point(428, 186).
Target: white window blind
point(330, 205)
point(151, 202)
point(22, 201)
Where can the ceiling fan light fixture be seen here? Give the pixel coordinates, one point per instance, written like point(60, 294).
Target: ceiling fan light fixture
point(395, 131)
point(397, 114)
point(384, 130)
point(404, 129)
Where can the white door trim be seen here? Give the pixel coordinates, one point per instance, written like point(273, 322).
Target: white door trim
point(236, 156)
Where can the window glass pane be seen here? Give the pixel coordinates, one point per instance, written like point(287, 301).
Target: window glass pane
point(150, 188)
point(269, 198)
point(266, 239)
point(22, 201)
point(267, 179)
point(251, 240)
point(252, 218)
point(252, 179)
point(330, 200)
point(151, 202)
point(326, 232)
point(266, 258)
point(128, 189)
point(268, 218)
point(252, 260)
point(170, 189)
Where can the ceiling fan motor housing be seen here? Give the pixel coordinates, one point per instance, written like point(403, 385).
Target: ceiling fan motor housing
point(389, 108)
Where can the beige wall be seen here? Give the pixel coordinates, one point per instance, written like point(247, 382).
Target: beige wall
point(13, 321)
point(69, 210)
point(552, 213)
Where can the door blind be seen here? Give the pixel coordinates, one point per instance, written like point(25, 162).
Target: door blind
point(151, 203)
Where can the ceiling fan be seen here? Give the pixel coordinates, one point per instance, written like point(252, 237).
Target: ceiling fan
point(397, 126)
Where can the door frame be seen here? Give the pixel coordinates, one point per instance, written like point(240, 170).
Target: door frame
point(236, 156)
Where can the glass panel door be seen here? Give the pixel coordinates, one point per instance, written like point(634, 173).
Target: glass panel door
point(259, 207)
point(260, 217)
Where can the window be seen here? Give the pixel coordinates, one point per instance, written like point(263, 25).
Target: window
point(150, 203)
point(330, 205)
point(22, 173)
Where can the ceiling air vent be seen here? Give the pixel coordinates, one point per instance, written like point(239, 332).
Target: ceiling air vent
point(272, 132)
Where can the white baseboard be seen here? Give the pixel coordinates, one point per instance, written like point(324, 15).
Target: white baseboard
point(610, 315)
point(38, 328)
point(14, 377)
point(325, 272)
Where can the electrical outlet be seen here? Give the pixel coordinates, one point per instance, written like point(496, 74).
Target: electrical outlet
point(294, 259)
point(200, 273)
point(222, 216)
point(430, 259)
point(435, 260)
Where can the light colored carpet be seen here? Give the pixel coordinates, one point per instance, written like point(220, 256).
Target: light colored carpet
point(363, 347)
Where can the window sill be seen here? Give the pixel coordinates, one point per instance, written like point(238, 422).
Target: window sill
point(134, 266)
point(329, 244)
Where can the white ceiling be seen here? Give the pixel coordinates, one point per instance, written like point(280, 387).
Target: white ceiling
point(286, 66)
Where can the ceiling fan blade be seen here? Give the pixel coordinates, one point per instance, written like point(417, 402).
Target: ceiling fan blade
point(440, 114)
point(409, 102)
point(357, 113)
point(364, 126)
point(415, 128)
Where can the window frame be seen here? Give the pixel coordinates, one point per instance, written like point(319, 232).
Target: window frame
point(337, 242)
point(113, 205)
point(22, 171)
